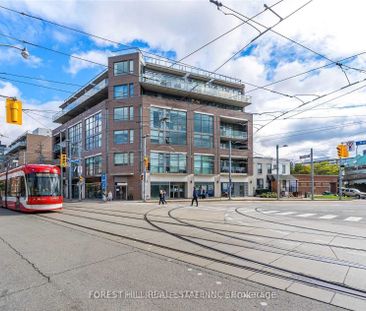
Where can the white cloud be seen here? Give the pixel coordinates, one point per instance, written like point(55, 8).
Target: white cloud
point(94, 57)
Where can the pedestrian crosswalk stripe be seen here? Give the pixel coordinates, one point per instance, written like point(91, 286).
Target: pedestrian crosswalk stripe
point(353, 219)
point(269, 212)
point(286, 213)
point(305, 215)
point(328, 216)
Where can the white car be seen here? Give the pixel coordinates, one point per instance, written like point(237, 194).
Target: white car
point(355, 193)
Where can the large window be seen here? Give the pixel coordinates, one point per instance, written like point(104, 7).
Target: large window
point(123, 137)
point(233, 130)
point(259, 168)
point(269, 168)
point(260, 183)
point(122, 68)
point(237, 166)
point(168, 162)
point(43, 184)
point(123, 113)
point(123, 91)
point(203, 130)
point(123, 158)
point(93, 132)
point(93, 166)
point(168, 126)
point(75, 138)
point(204, 164)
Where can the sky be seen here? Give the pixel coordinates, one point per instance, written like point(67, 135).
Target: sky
point(325, 106)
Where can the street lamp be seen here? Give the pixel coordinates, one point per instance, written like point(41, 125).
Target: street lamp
point(23, 51)
point(278, 169)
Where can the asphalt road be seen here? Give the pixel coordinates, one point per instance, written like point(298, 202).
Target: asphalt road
point(55, 266)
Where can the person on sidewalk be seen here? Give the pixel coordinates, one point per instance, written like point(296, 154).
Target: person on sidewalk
point(194, 197)
point(164, 197)
point(110, 196)
point(161, 197)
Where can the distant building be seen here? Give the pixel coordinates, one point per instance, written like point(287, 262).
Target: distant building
point(265, 175)
point(355, 172)
point(322, 183)
point(2, 155)
point(31, 147)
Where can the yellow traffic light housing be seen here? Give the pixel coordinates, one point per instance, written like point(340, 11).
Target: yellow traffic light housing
point(63, 160)
point(14, 113)
point(146, 162)
point(342, 151)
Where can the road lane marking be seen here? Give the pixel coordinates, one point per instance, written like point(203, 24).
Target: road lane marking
point(328, 216)
point(305, 215)
point(353, 219)
point(269, 212)
point(286, 213)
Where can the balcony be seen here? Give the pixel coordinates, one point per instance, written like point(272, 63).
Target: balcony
point(234, 170)
point(99, 91)
point(233, 134)
point(176, 85)
point(19, 145)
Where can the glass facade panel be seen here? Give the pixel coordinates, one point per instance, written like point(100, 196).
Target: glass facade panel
point(123, 91)
point(204, 164)
point(93, 132)
point(93, 166)
point(122, 68)
point(123, 137)
point(203, 130)
point(123, 113)
point(168, 126)
point(237, 166)
point(234, 130)
point(168, 162)
point(75, 138)
point(205, 189)
point(121, 158)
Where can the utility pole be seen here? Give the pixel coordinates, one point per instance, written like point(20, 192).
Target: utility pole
point(312, 173)
point(80, 170)
point(277, 172)
point(230, 169)
point(340, 179)
point(69, 170)
point(144, 166)
point(61, 167)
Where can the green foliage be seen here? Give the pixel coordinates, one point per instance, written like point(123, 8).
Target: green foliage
point(322, 168)
point(269, 195)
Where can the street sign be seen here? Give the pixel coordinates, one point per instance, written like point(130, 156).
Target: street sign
point(350, 145)
point(306, 156)
point(361, 142)
point(104, 182)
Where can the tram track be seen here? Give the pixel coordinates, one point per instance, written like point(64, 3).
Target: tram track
point(335, 246)
point(344, 235)
point(259, 267)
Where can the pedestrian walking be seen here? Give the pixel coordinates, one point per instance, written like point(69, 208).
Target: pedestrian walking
point(110, 196)
point(164, 197)
point(161, 199)
point(194, 197)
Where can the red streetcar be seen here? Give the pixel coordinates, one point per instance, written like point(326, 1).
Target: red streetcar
point(31, 188)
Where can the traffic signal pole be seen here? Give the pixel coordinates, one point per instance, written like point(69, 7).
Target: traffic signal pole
point(61, 167)
point(340, 179)
point(312, 173)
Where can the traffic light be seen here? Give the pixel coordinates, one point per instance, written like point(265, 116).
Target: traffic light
point(342, 151)
point(146, 163)
point(14, 111)
point(63, 160)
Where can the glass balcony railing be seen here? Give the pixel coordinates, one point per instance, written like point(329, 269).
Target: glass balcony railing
point(172, 82)
point(97, 88)
point(235, 134)
point(19, 144)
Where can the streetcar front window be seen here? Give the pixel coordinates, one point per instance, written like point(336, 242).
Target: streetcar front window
point(43, 184)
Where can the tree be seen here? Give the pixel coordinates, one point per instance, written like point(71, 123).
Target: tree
point(322, 168)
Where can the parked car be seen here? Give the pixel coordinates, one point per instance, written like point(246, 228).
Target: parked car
point(355, 193)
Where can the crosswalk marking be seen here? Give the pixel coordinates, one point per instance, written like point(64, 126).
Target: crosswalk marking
point(305, 215)
point(328, 216)
point(286, 213)
point(353, 219)
point(269, 212)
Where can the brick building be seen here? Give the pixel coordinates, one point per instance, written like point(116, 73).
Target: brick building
point(188, 118)
point(31, 147)
point(321, 183)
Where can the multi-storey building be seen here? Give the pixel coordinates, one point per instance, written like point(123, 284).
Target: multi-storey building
point(355, 172)
point(183, 117)
point(31, 147)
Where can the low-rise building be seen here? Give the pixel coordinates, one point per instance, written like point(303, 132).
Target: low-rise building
point(265, 175)
point(31, 147)
point(322, 183)
point(355, 172)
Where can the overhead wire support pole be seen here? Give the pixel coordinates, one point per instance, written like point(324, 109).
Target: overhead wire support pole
point(312, 173)
point(230, 168)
